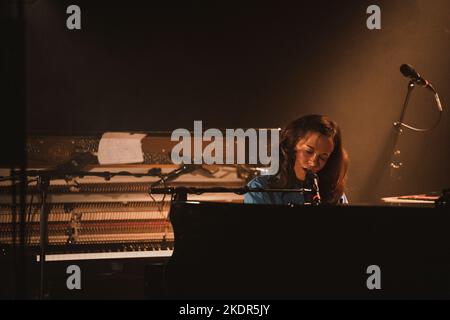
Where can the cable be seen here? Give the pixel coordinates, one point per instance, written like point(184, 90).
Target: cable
point(160, 204)
point(419, 129)
point(439, 106)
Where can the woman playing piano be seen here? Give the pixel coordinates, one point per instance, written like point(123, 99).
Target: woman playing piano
point(312, 143)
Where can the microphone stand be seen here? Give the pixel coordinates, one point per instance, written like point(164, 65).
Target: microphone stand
point(43, 184)
point(396, 164)
point(398, 124)
point(180, 193)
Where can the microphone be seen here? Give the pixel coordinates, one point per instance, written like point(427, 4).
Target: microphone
point(312, 182)
point(409, 72)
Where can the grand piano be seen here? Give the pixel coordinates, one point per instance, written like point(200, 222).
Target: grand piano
point(113, 228)
point(133, 245)
point(241, 251)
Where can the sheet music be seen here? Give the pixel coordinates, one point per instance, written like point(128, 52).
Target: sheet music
point(120, 148)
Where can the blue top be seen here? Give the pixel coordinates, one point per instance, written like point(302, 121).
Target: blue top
point(275, 197)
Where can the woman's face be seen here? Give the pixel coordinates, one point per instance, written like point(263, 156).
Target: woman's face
point(312, 152)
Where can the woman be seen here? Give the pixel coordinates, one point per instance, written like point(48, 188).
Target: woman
point(314, 143)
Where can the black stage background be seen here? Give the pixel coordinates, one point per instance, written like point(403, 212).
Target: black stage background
point(141, 66)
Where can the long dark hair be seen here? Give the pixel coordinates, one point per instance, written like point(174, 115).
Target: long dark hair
point(332, 177)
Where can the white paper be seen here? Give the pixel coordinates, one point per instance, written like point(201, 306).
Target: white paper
point(120, 148)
